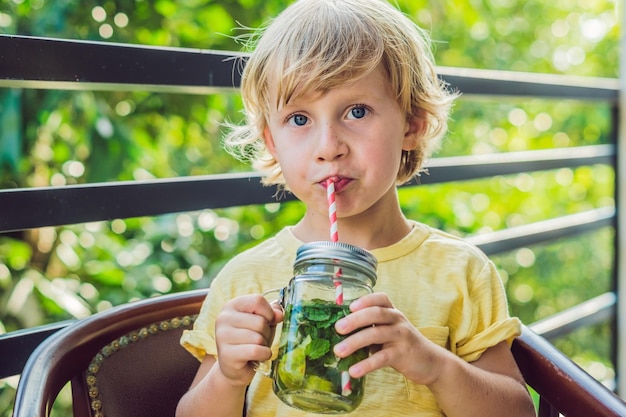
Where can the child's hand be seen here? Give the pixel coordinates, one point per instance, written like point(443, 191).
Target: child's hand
point(244, 331)
point(392, 339)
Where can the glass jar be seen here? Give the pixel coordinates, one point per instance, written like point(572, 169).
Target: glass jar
point(307, 375)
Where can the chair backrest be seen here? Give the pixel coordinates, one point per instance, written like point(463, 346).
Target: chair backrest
point(126, 361)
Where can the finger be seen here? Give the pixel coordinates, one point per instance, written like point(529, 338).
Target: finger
point(244, 353)
point(377, 360)
point(238, 362)
point(371, 316)
point(370, 336)
point(254, 304)
point(247, 321)
point(234, 336)
point(379, 299)
point(243, 328)
point(279, 312)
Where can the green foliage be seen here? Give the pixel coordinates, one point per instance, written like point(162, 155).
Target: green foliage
point(10, 136)
point(51, 137)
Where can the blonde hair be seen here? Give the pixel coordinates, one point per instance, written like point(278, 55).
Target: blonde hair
point(316, 45)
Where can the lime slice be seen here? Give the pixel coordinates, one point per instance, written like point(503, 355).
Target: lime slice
point(315, 383)
point(292, 365)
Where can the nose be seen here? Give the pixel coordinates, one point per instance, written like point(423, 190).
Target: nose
point(330, 146)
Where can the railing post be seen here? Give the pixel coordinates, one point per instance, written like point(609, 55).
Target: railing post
point(620, 195)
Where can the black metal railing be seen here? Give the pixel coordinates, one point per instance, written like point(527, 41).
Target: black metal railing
point(27, 62)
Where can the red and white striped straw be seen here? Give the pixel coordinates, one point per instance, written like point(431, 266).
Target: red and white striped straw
point(346, 385)
point(338, 288)
point(332, 210)
point(334, 235)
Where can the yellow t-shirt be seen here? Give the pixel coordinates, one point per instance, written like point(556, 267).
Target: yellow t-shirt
point(447, 288)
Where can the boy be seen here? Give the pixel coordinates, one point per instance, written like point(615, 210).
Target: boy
point(346, 91)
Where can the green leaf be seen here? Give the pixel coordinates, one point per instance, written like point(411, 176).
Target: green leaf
point(317, 348)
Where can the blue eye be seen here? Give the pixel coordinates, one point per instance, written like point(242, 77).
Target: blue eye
point(358, 112)
point(298, 119)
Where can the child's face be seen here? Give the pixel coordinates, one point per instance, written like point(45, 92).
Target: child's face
point(353, 134)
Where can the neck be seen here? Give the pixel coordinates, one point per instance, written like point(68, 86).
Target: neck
point(377, 227)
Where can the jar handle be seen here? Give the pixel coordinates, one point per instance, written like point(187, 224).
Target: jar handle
point(265, 367)
point(281, 296)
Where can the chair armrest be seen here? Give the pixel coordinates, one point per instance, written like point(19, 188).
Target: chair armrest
point(562, 383)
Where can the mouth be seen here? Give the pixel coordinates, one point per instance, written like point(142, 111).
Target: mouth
point(339, 182)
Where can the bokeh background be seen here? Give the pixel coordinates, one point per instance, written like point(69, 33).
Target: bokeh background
point(50, 137)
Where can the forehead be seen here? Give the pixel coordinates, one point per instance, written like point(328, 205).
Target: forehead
point(312, 83)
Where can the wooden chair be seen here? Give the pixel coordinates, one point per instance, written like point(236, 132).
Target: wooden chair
point(564, 388)
point(127, 361)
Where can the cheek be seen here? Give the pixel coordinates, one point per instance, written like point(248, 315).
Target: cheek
point(385, 152)
point(290, 165)
point(381, 166)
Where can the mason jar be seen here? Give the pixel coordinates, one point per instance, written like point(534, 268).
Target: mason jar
point(306, 374)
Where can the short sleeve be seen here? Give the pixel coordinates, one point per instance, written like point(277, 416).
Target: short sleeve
point(200, 340)
point(490, 321)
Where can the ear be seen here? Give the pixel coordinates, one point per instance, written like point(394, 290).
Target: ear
point(269, 141)
point(415, 127)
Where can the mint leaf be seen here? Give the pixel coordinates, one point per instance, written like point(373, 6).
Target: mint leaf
point(317, 348)
point(318, 313)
